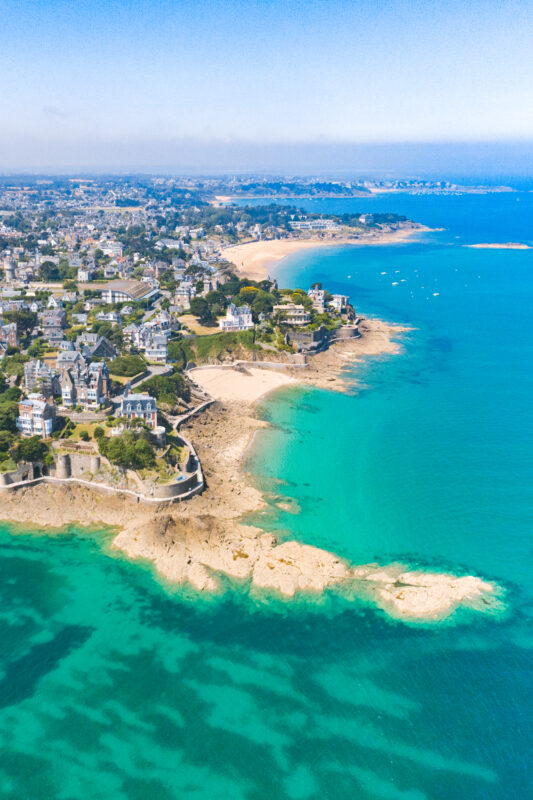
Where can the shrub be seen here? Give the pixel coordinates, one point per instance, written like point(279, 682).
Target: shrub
point(222, 344)
point(128, 450)
point(84, 436)
point(127, 366)
point(98, 432)
point(32, 449)
point(167, 389)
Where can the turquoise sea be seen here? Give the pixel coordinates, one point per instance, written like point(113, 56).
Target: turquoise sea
point(113, 687)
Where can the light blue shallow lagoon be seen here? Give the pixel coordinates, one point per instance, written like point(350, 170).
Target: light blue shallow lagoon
point(112, 686)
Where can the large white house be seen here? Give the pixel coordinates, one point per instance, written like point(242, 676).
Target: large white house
point(36, 416)
point(238, 318)
point(293, 314)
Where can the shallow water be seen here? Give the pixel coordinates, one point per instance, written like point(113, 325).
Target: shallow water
point(111, 686)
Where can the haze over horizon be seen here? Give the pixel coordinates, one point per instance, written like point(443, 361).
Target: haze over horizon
point(378, 86)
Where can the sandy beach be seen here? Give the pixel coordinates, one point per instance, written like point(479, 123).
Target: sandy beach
point(244, 383)
point(240, 383)
point(500, 246)
point(256, 259)
point(197, 542)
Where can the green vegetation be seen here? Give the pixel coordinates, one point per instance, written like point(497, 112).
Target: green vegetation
point(55, 273)
point(111, 332)
point(6, 442)
point(128, 450)
point(224, 344)
point(168, 389)
point(180, 352)
point(200, 308)
point(32, 449)
point(14, 365)
point(127, 366)
point(9, 398)
point(37, 349)
point(26, 320)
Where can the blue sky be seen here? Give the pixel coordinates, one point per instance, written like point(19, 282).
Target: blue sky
point(82, 82)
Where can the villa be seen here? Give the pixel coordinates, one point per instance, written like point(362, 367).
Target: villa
point(139, 406)
point(85, 386)
point(317, 296)
point(36, 416)
point(293, 314)
point(238, 318)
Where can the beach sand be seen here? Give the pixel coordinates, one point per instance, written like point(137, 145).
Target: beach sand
point(256, 259)
point(500, 246)
point(241, 384)
point(196, 542)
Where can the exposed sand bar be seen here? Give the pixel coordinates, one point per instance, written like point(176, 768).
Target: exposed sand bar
point(256, 259)
point(500, 246)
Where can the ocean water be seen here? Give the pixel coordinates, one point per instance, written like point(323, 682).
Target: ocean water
point(113, 686)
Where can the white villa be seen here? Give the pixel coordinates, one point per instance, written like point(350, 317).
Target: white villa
point(238, 318)
point(36, 416)
point(293, 314)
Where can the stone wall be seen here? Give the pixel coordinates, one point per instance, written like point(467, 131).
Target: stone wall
point(95, 471)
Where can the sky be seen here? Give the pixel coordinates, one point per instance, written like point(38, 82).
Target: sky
point(233, 83)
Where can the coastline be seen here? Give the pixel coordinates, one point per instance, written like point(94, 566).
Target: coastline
point(198, 541)
point(255, 259)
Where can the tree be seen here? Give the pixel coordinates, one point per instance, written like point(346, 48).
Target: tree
point(6, 440)
point(247, 295)
point(262, 305)
point(14, 365)
point(128, 450)
point(232, 285)
point(50, 272)
point(11, 395)
point(127, 366)
point(26, 320)
point(98, 432)
point(168, 389)
point(32, 449)
point(37, 348)
point(200, 308)
point(216, 300)
point(8, 416)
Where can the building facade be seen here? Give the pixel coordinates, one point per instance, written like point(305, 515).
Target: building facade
point(139, 406)
point(36, 416)
point(238, 318)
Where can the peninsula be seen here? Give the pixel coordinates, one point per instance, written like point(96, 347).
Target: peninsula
point(134, 344)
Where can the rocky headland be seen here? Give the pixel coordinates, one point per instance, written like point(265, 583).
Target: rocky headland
point(205, 538)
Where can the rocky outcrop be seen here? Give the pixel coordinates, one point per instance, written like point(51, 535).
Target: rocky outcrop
point(204, 539)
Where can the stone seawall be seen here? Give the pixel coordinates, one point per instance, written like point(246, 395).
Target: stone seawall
point(96, 472)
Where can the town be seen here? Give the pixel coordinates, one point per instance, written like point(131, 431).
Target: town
point(111, 290)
